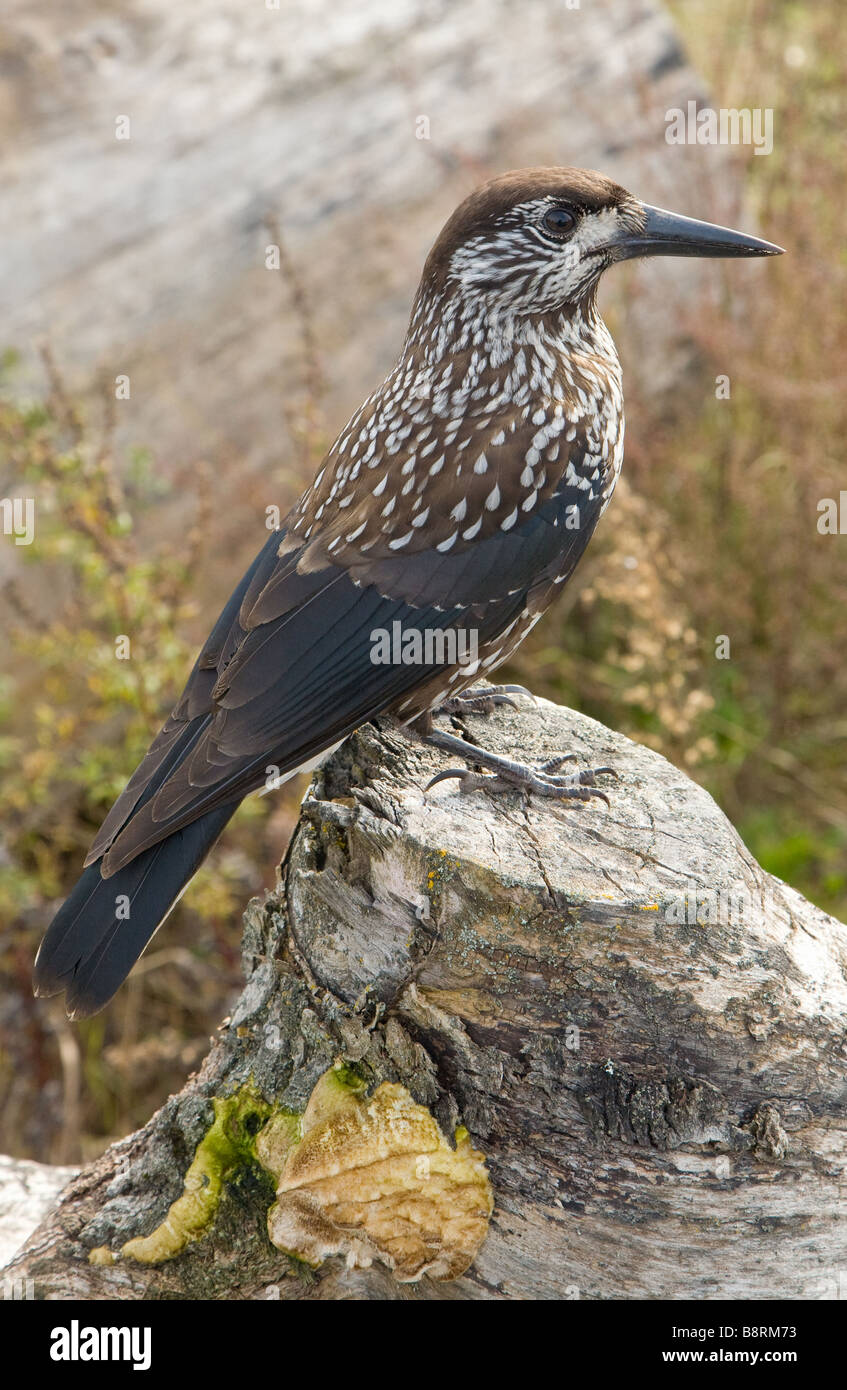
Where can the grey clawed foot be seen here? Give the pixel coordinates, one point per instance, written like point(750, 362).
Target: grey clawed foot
point(498, 773)
point(579, 786)
point(483, 699)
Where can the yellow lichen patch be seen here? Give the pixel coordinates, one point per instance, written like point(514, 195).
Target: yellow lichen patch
point(187, 1219)
point(226, 1146)
point(376, 1179)
point(101, 1255)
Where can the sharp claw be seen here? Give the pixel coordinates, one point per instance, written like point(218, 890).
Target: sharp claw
point(459, 772)
point(483, 701)
point(517, 690)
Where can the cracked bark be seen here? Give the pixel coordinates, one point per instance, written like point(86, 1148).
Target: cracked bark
point(660, 1099)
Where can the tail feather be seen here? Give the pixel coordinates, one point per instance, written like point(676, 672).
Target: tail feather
point(105, 923)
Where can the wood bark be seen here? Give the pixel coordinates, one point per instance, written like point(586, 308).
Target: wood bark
point(641, 1029)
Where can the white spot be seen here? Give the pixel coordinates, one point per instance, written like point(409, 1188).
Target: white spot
point(445, 545)
point(395, 545)
point(493, 499)
point(510, 521)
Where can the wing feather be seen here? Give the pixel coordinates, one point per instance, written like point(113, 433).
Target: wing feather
point(287, 670)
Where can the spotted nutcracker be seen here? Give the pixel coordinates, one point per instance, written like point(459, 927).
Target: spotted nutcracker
point(459, 498)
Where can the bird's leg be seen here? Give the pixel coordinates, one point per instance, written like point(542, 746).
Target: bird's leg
point(544, 779)
point(482, 699)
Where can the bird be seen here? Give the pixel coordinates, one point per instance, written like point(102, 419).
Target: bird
point(458, 499)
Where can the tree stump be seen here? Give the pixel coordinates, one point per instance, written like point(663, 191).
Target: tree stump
point(493, 1048)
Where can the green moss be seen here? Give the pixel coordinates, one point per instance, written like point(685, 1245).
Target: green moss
point(345, 1076)
point(228, 1145)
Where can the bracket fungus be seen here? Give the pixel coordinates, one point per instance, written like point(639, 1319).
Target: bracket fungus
point(374, 1178)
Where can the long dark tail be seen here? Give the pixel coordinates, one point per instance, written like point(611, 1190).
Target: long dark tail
point(103, 926)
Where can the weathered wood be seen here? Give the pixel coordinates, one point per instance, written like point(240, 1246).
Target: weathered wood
point(642, 1031)
point(27, 1192)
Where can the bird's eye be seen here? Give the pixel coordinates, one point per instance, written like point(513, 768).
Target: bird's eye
point(558, 221)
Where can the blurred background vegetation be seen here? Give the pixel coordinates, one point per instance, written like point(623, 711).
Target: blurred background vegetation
point(715, 526)
point(713, 534)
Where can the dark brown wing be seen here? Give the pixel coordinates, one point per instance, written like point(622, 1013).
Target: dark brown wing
point(287, 671)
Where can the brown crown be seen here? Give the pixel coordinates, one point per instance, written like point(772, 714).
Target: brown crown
point(581, 188)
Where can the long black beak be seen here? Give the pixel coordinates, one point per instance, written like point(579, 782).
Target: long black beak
point(668, 234)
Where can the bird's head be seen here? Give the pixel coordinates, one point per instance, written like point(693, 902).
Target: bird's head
point(536, 240)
